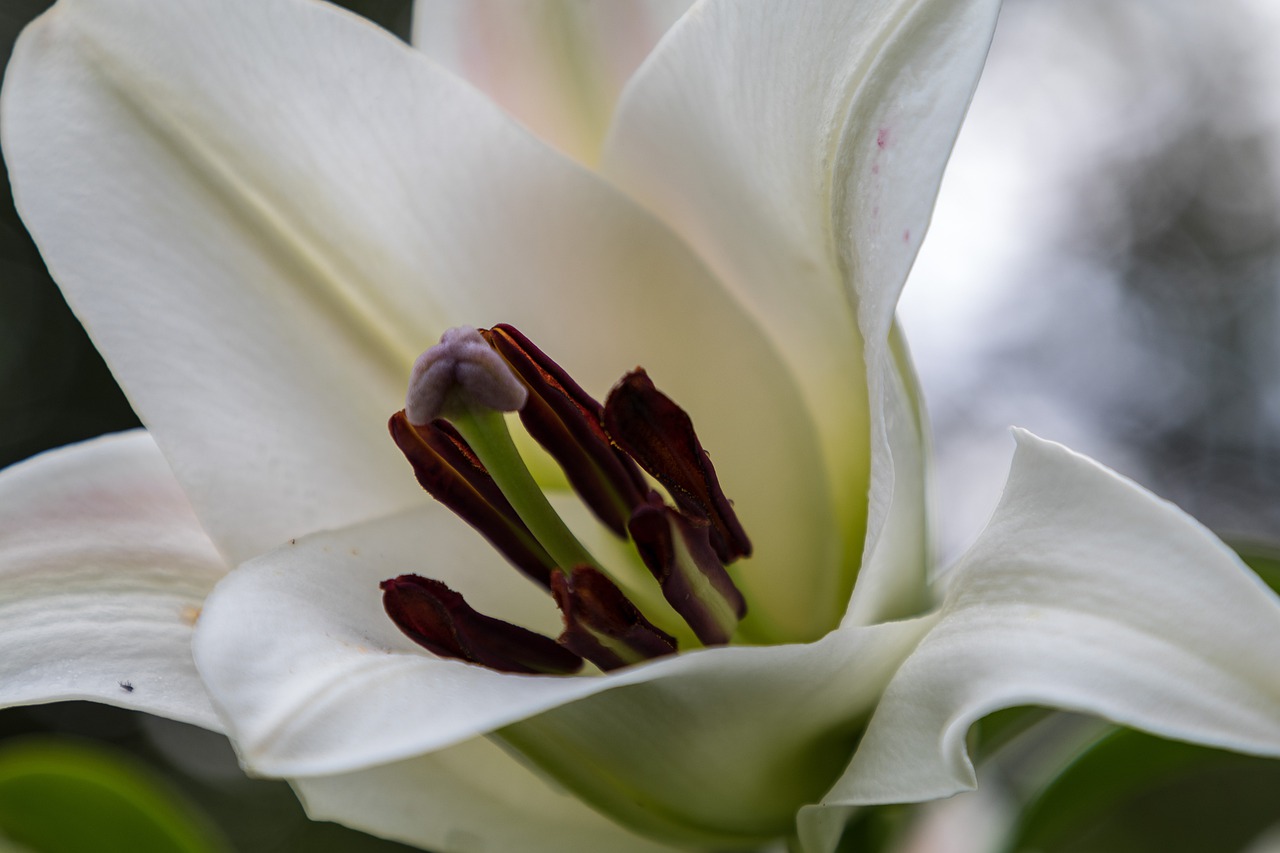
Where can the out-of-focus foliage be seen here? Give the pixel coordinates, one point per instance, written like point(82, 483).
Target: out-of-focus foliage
point(1263, 560)
point(63, 796)
point(1134, 793)
point(253, 815)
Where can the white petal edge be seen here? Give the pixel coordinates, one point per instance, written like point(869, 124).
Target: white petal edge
point(103, 569)
point(315, 680)
point(264, 209)
point(901, 126)
point(556, 67)
point(1085, 592)
point(800, 148)
point(898, 554)
point(467, 798)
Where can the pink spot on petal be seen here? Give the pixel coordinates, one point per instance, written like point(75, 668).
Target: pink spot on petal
point(882, 137)
point(906, 236)
point(875, 168)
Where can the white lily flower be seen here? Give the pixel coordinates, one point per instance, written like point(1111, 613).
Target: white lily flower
point(263, 210)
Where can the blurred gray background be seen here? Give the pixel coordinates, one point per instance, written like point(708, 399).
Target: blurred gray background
point(1103, 264)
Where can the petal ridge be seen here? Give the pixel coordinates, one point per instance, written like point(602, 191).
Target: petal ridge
point(1085, 592)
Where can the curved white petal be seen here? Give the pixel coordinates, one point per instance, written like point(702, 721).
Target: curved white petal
point(819, 827)
point(469, 797)
point(103, 568)
point(556, 66)
point(897, 557)
point(315, 680)
point(214, 230)
point(264, 209)
point(1087, 593)
point(722, 747)
point(800, 147)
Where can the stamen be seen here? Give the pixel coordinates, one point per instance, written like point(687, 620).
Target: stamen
point(440, 620)
point(462, 364)
point(451, 473)
point(486, 432)
point(677, 550)
point(659, 435)
point(569, 423)
point(455, 435)
point(602, 625)
point(464, 379)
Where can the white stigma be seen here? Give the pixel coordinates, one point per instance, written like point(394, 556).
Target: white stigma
point(463, 364)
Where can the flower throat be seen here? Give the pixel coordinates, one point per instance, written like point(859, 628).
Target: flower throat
point(454, 434)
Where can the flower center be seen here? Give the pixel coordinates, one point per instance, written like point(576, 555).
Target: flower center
point(453, 432)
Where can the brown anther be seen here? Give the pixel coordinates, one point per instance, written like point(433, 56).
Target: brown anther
point(659, 435)
point(601, 624)
point(677, 550)
point(439, 619)
point(450, 472)
point(568, 423)
point(602, 450)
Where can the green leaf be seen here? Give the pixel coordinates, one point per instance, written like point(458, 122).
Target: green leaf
point(63, 796)
point(1136, 793)
point(1263, 559)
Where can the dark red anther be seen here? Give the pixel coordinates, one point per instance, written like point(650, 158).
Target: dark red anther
point(677, 550)
point(601, 623)
point(602, 450)
point(659, 435)
point(567, 422)
point(450, 472)
point(438, 619)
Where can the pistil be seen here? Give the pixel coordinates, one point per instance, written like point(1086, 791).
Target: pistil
point(486, 432)
point(447, 467)
point(454, 433)
point(463, 379)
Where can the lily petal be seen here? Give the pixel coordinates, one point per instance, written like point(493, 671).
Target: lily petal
point(1087, 593)
point(556, 66)
point(898, 555)
point(169, 204)
point(348, 696)
point(288, 170)
point(103, 568)
point(678, 751)
point(473, 796)
point(801, 149)
point(339, 689)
